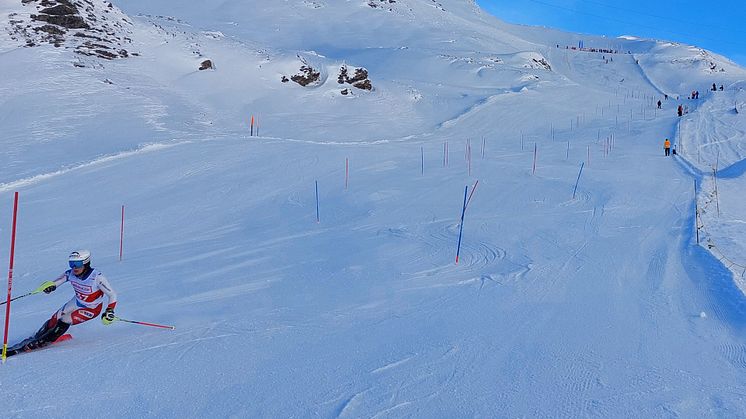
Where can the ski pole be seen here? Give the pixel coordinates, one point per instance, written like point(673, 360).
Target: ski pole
point(21, 296)
point(144, 323)
point(36, 291)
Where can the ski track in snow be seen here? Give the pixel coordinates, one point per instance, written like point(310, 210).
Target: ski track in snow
point(148, 148)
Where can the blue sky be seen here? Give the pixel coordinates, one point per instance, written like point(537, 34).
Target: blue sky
point(713, 25)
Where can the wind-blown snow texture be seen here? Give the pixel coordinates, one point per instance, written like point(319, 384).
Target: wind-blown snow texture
point(601, 305)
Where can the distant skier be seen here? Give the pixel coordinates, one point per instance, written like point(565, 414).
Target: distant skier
point(659, 104)
point(680, 110)
point(667, 147)
point(90, 286)
point(714, 88)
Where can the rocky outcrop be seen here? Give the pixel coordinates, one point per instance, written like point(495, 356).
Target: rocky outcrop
point(206, 65)
point(89, 27)
point(359, 78)
point(306, 76)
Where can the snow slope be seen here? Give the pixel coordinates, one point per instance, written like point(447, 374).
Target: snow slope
point(597, 305)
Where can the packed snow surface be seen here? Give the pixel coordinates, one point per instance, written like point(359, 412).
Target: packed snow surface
point(566, 301)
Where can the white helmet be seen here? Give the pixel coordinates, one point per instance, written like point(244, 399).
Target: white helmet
point(79, 258)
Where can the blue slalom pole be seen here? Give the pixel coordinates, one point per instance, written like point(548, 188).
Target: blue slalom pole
point(317, 202)
point(422, 166)
point(461, 229)
point(577, 181)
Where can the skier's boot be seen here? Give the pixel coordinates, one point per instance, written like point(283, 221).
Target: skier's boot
point(48, 333)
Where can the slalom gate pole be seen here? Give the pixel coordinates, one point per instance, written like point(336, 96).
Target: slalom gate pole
point(121, 235)
point(533, 172)
point(422, 160)
point(461, 228)
point(251, 132)
point(162, 326)
point(473, 188)
point(578, 180)
point(318, 219)
point(10, 278)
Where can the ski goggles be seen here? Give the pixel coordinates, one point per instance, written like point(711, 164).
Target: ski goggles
point(76, 264)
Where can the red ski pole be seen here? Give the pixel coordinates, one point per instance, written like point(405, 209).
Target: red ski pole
point(144, 323)
point(10, 278)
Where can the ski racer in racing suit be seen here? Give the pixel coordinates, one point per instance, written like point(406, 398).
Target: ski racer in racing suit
point(90, 286)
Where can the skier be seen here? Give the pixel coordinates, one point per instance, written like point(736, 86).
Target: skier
point(659, 104)
point(667, 147)
point(680, 110)
point(90, 286)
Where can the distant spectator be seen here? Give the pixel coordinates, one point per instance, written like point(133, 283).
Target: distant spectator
point(665, 97)
point(721, 87)
point(713, 87)
point(667, 147)
point(696, 94)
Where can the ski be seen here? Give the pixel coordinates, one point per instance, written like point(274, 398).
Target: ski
point(18, 349)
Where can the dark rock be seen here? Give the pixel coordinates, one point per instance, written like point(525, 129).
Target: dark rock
point(284, 79)
point(67, 21)
point(60, 10)
point(51, 29)
point(345, 92)
point(105, 54)
point(360, 75)
point(307, 76)
point(342, 78)
point(207, 64)
point(365, 85)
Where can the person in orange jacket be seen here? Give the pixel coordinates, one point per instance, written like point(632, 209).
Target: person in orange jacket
point(667, 147)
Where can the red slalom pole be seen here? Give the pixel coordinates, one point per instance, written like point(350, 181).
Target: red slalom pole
point(121, 235)
point(533, 172)
point(473, 188)
point(10, 278)
point(144, 323)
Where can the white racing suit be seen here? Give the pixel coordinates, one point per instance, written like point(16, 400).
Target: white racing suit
point(89, 295)
point(90, 289)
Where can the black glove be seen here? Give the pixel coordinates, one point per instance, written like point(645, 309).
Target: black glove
point(48, 287)
point(108, 317)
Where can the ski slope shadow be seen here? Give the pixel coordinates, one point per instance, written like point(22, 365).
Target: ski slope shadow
point(703, 268)
point(733, 171)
